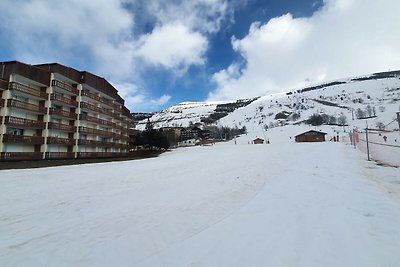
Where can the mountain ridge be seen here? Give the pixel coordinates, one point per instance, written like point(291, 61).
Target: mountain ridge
point(351, 98)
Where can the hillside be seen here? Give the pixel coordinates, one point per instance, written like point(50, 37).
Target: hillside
point(343, 102)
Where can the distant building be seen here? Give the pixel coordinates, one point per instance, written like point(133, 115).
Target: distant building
point(311, 136)
point(258, 141)
point(51, 111)
point(187, 142)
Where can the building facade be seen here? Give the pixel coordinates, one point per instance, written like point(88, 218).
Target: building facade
point(52, 111)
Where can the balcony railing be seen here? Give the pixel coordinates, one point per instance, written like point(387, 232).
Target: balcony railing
point(26, 106)
point(102, 154)
point(120, 145)
point(22, 139)
point(107, 112)
point(88, 130)
point(118, 107)
point(97, 98)
point(60, 141)
point(86, 117)
point(96, 143)
point(85, 142)
point(28, 90)
point(64, 100)
point(24, 123)
point(62, 127)
point(21, 155)
point(96, 108)
point(86, 105)
point(62, 113)
point(2, 103)
point(65, 87)
point(59, 155)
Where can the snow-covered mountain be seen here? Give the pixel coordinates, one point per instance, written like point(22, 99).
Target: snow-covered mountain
point(346, 101)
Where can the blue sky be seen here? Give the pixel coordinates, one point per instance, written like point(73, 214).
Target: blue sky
point(161, 52)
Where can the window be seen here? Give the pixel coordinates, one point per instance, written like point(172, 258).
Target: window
point(15, 131)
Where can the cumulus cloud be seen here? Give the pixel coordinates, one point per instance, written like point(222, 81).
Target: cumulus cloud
point(98, 31)
point(173, 46)
point(203, 16)
point(343, 38)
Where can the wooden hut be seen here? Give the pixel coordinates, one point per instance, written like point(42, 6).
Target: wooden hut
point(311, 136)
point(258, 141)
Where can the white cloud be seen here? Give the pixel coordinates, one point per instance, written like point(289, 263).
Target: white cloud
point(199, 15)
point(344, 38)
point(162, 100)
point(137, 99)
point(41, 31)
point(173, 46)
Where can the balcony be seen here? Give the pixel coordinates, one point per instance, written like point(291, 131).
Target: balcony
point(120, 145)
point(26, 106)
point(87, 130)
point(107, 112)
point(64, 100)
point(65, 87)
point(21, 155)
point(60, 141)
point(28, 90)
point(97, 98)
point(118, 107)
point(85, 142)
point(62, 127)
point(62, 113)
point(92, 107)
point(24, 123)
point(22, 139)
point(2, 103)
point(59, 155)
point(95, 143)
point(86, 117)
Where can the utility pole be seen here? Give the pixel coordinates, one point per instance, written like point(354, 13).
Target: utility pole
point(366, 137)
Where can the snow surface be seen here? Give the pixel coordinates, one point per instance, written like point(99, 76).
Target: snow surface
point(282, 204)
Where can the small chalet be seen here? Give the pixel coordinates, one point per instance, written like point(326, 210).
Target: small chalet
point(187, 142)
point(311, 136)
point(258, 141)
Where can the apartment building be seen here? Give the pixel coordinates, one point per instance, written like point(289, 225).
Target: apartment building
point(51, 111)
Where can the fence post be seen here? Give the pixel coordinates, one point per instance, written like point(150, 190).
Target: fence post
point(366, 137)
